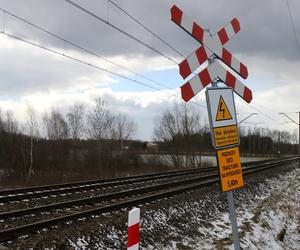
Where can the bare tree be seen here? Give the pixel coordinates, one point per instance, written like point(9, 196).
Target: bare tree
point(99, 120)
point(2, 122)
point(75, 119)
point(122, 129)
point(56, 126)
point(32, 127)
point(294, 137)
point(178, 128)
point(11, 124)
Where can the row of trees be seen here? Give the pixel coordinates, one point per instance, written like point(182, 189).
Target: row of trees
point(181, 135)
point(56, 140)
point(96, 140)
point(78, 123)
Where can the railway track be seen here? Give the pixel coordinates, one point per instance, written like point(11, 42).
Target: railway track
point(60, 189)
point(47, 190)
point(35, 218)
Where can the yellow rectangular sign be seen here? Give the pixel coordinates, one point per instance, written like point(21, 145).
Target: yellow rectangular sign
point(226, 136)
point(230, 168)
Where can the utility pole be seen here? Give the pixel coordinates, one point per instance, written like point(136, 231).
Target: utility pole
point(298, 124)
point(248, 134)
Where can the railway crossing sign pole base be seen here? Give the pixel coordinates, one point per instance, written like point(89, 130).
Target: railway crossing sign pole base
point(234, 228)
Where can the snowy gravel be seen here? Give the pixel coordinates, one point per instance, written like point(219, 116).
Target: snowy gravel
point(268, 211)
point(270, 220)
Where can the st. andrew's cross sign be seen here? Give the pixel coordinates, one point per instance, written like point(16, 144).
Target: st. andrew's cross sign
point(211, 47)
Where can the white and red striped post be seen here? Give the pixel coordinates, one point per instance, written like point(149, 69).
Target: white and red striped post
point(133, 229)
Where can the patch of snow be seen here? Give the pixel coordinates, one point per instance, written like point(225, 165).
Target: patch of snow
point(273, 212)
point(81, 243)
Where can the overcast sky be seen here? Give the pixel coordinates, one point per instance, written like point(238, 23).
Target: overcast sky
point(31, 75)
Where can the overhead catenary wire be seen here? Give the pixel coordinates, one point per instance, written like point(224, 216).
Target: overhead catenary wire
point(259, 111)
point(76, 59)
point(95, 54)
point(82, 48)
point(93, 65)
point(141, 24)
point(91, 53)
point(146, 28)
point(272, 110)
point(293, 25)
point(266, 108)
point(102, 20)
point(3, 20)
point(137, 21)
point(292, 120)
point(121, 30)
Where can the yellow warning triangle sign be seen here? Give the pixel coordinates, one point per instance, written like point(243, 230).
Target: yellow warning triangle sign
point(223, 111)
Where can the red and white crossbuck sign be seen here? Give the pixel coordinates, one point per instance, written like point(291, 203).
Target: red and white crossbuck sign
point(211, 47)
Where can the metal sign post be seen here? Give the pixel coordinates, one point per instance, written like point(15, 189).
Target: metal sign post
point(220, 101)
point(234, 228)
point(222, 117)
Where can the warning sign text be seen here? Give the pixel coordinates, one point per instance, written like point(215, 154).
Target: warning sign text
point(226, 136)
point(230, 169)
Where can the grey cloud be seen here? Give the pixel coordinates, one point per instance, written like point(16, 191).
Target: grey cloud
point(266, 29)
point(23, 72)
point(266, 34)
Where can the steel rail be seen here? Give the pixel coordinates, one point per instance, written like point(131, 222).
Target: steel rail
point(91, 182)
point(47, 190)
point(15, 197)
point(17, 231)
point(104, 197)
point(110, 196)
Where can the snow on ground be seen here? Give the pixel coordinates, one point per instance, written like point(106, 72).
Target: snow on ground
point(271, 220)
point(268, 220)
point(268, 214)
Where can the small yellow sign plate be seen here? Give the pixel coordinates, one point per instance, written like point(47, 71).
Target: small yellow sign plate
point(226, 136)
point(230, 168)
point(223, 112)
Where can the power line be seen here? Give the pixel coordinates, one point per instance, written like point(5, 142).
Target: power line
point(298, 47)
point(266, 108)
point(292, 120)
point(272, 110)
point(87, 51)
point(100, 68)
point(76, 59)
point(120, 30)
point(137, 21)
point(293, 25)
point(259, 111)
point(81, 48)
point(103, 58)
point(146, 28)
point(92, 65)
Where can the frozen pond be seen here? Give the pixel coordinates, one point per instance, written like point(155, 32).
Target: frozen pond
point(205, 159)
